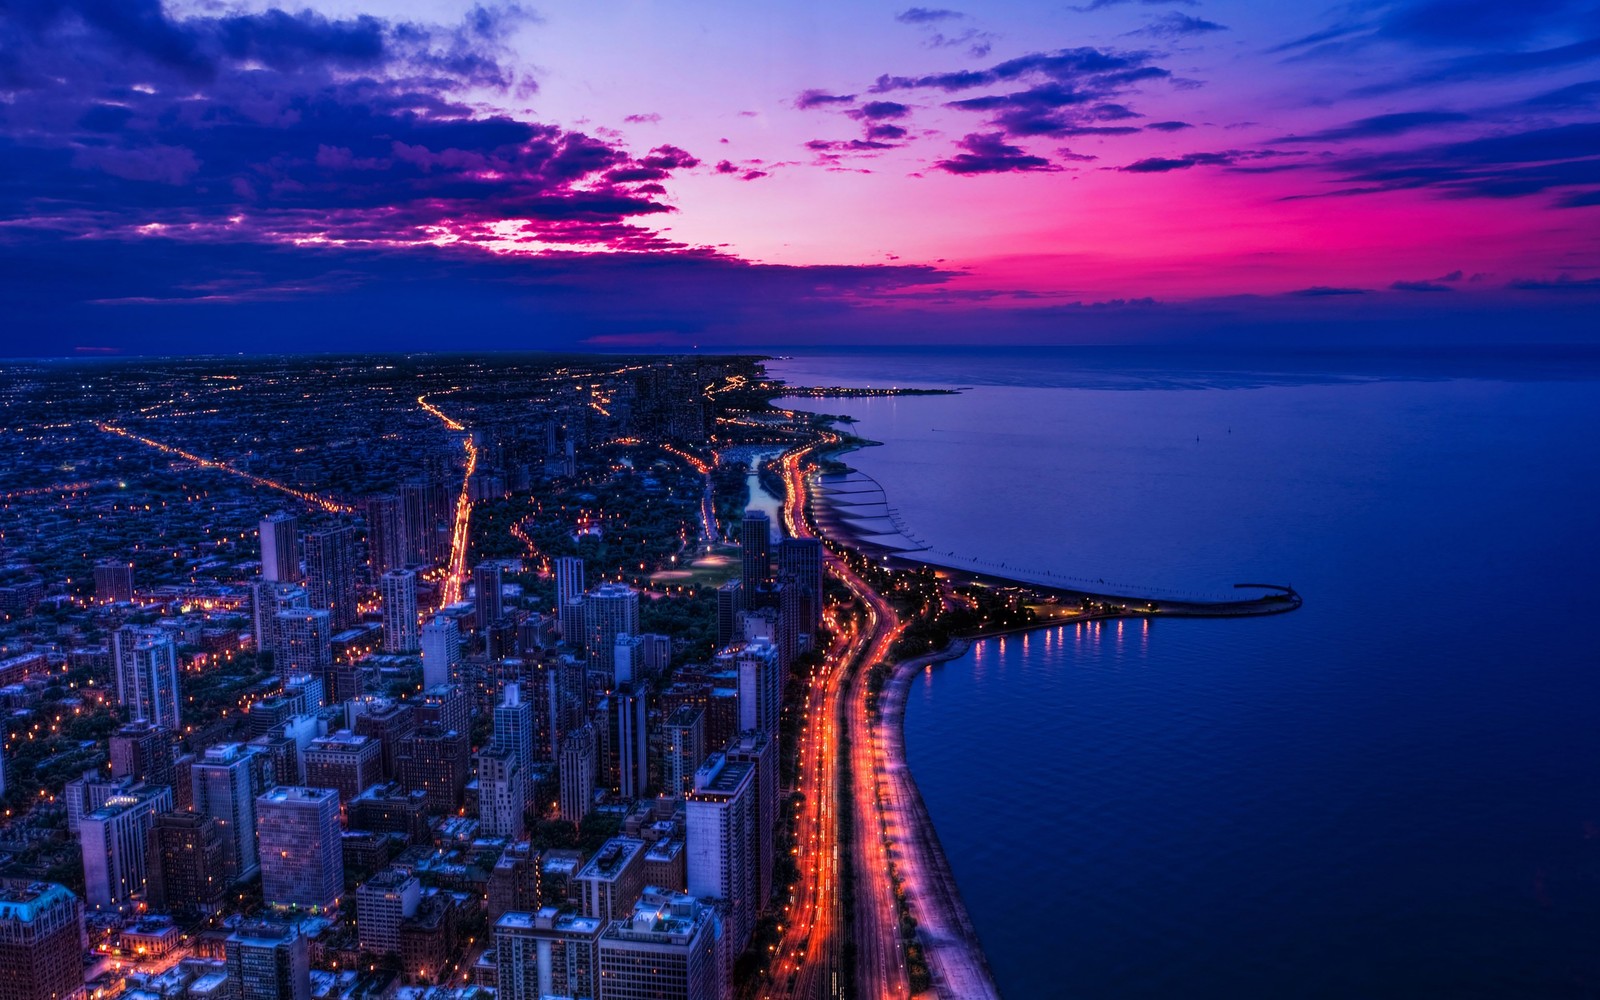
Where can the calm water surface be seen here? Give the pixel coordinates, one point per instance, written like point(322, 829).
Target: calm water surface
point(1394, 792)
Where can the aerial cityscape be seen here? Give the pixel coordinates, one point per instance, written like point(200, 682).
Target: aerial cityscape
point(799, 501)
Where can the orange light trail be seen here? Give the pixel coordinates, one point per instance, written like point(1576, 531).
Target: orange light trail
point(331, 506)
point(456, 574)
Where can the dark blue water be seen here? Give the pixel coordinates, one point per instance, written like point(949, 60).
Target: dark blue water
point(1394, 792)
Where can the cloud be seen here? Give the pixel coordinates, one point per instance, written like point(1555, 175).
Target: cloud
point(1166, 164)
point(1420, 286)
point(1380, 126)
point(878, 110)
point(1560, 283)
point(1102, 4)
point(649, 118)
point(990, 154)
point(820, 99)
point(1321, 291)
point(885, 132)
point(927, 15)
point(1178, 25)
point(1169, 126)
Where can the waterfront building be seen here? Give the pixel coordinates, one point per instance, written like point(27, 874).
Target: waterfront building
point(146, 661)
point(302, 860)
point(346, 762)
point(760, 687)
point(386, 535)
point(441, 650)
point(186, 872)
point(280, 548)
point(578, 764)
point(610, 881)
point(267, 960)
point(552, 952)
point(383, 902)
point(609, 610)
point(501, 799)
point(720, 816)
point(399, 590)
point(114, 839)
point(666, 949)
point(41, 941)
point(800, 566)
point(331, 574)
point(760, 751)
point(755, 548)
point(488, 600)
point(226, 782)
point(113, 581)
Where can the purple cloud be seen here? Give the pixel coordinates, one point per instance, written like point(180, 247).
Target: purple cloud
point(988, 153)
point(820, 99)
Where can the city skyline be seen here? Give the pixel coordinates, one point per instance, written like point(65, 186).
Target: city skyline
point(355, 175)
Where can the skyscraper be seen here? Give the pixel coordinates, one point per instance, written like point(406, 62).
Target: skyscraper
point(800, 565)
point(383, 902)
point(331, 574)
point(569, 583)
point(441, 650)
point(685, 732)
point(185, 868)
point(114, 839)
point(226, 783)
point(760, 687)
point(730, 601)
point(761, 752)
point(280, 549)
point(548, 953)
point(147, 675)
point(721, 814)
point(577, 774)
point(755, 547)
point(399, 589)
point(501, 799)
point(609, 610)
point(302, 859)
point(268, 960)
point(41, 941)
point(631, 705)
point(142, 752)
point(666, 949)
point(305, 643)
point(513, 732)
point(386, 534)
point(486, 583)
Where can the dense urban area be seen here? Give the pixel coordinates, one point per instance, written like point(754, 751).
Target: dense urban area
point(440, 678)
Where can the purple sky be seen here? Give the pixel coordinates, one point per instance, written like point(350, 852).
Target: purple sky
point(206, 176)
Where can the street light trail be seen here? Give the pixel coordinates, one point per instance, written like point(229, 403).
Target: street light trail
point(329, 505)
point(456, 572)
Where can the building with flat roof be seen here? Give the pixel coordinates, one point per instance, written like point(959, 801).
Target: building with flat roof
point(666, 949)
point(382, 903)
point(612, 879)
point(553, 951)
point(115, 840)
point(302, 856)
point(268, 960)
point(41, 941)
point(344, 761)
point(720, 836)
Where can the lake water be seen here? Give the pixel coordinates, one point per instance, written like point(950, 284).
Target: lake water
point(1393, 792)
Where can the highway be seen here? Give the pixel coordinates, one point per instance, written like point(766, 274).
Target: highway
point(456, 569)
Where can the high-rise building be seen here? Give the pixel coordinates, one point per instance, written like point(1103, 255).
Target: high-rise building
point(143, 752)
point(612, 880)
point(578, 763)
point(346, 762)
point(383, 902)
point(489, 604)
point(41, 941)
point(399, 589)
point(267, 960)
point(331, 574)
point(549, 953)
point(569, 584)
point(730, 601)
point(113, 581)
point(386, 535)
point(666, 949)
point(514, 882)
point(267, 599)
point(800, 565)
point(501, 799)
point(441, 650)
point(502, 639)
point(305, 642)
point(609, 610)
point(115, 841)
point(387, 721)
point(685, 731)
point(630, 705)
point(720, 817)
point(445, 706)
point(760, 751)
point(513, 732)
point(302, 857)
point(760, 687)
point(147, 675)
point(185, 867)
point(627, 659)
point(569, 622)
point(280, 549)
point(433, 760)
point(755, 550)
point(226, 782)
